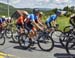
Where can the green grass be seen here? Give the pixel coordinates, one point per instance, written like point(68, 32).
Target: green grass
point(63, 22)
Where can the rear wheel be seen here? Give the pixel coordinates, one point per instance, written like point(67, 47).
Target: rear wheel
point(2, 40)
point(8, 33)
point(55, 35)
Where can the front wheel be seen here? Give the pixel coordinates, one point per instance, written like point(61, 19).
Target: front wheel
point(15, 36)
point(24, 41)
point(63, 39)
point(45, 43)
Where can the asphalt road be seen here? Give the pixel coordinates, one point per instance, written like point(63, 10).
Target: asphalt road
point(13, 50)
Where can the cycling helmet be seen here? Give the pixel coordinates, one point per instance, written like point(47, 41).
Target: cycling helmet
point(58, 12)
point(41, 13)
point(3, 16)
point(72, 15)
point(35, 11)
point(25, 12)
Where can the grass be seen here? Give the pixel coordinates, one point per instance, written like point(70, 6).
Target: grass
point(63, 22)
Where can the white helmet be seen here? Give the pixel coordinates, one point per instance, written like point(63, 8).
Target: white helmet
point(3, 16)
point(72, 15)
point(9, 18)
point(41, 13)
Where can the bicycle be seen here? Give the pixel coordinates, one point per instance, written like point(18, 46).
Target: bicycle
point(64, 36)
point(60, 36)
point(70, 45)
point(26, 42)
point(11, 32)
point(2, 37)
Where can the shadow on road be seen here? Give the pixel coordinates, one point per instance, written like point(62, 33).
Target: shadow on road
point(59, 46)
point(31, 49)
point(13, 42)
point(64, 55)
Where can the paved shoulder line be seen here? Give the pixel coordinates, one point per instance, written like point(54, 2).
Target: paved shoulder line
point(3, 55)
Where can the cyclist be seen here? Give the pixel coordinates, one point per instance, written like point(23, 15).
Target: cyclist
point(9, 20)
point(2, 22)
point(52, 19)
point(32, 21)
point(20, 20)
point(72, 20)
point(40, 16)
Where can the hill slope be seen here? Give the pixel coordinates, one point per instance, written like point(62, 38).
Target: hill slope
point(4, 9)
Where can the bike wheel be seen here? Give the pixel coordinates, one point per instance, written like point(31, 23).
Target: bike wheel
point(45, 43)
point(70, 46)
point(55, 35)
point(8, 33)
point(15, 36)
point(67, 28)
point(2, 40)
point(24, 41)
point(0, 35)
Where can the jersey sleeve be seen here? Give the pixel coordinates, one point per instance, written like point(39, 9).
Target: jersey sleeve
point(32, 17)
point(28, 16)
point(54, 17)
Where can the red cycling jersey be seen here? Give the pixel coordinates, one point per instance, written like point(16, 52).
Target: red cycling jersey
point(20, 20)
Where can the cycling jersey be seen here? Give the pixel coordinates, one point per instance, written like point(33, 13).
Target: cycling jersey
point(2, 20)
point(31, 17)
point(51, 18)
point(28, 25)
point(20, 20)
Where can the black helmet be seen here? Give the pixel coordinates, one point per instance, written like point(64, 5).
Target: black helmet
point(35, 11)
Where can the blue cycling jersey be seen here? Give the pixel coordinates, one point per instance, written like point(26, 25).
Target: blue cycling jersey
point(51, 18)
point(32, 17)
point(2, 20)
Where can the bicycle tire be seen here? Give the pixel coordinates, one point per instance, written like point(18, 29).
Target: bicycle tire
point(56, 36)
point(70, 46)
point(15, 36)
point(2, 40)
point(66, 28)
point(63, 39)
point(50, 48)
point(20, 40)
point(7, 33)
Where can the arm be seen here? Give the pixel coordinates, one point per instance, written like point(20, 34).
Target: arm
point(41, 23)
point(36, 25)
point(54, 23)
